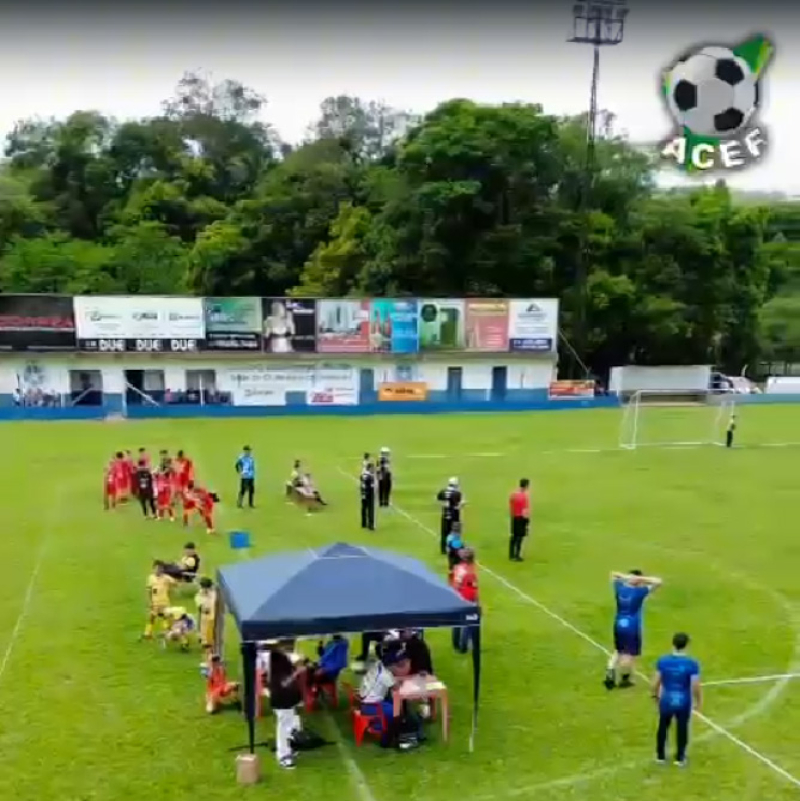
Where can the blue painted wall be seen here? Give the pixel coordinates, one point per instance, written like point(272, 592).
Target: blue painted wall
point(297, 406)
point(517, 400)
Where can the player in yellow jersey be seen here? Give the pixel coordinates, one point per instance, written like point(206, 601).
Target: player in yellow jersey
point(206, 600)
point(159, 586)
point(181, 625)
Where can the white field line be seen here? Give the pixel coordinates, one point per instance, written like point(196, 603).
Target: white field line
point(751, 680)
point(356, 774)
point(765, 760)
point(55, 510)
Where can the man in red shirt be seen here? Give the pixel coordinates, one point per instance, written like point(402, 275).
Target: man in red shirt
point(465, 583)
point(184, 472)
point(110, 488)
point(519, 505)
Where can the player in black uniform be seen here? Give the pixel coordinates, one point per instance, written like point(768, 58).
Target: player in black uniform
point(451, 501)
point(385, 478)
point(144, 489)
point(368, 497)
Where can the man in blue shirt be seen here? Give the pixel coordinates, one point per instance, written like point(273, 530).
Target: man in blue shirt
point(246, 468)
point(630, 591)
point(676, 687)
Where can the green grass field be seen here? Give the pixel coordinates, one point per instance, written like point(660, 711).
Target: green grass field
point(87, 712)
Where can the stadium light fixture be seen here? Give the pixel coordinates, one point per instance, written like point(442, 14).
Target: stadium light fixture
point(599, 23)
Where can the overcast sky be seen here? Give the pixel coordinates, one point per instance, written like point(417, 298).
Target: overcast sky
point(412, 56)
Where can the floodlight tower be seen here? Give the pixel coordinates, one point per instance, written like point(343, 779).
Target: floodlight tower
point(599, 23)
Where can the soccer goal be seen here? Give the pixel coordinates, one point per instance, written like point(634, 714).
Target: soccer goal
point(675, 419)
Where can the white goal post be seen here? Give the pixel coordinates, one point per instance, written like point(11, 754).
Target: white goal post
point(669, 418)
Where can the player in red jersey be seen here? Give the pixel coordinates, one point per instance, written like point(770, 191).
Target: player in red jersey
point(184, 468)
point(126, 472)
point(110, 484)
point(164, 494)
point(200, 500)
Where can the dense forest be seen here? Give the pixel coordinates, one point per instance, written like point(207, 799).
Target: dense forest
point(469, 200)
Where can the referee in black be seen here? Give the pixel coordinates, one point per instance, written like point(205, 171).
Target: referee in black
point(451, 500)
point(384, 478)
point(144, 489)
point(367, 483)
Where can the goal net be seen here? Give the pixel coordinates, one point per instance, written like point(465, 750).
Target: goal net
point(675, 419)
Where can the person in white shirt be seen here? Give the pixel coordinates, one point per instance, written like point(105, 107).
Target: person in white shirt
point(377, 686)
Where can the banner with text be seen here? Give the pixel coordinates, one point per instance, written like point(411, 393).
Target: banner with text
point(139, 324)
point(233, 324)
point(487, 325)
point(571, 389)
point(290, 325)
point(37, 322)
point(268, 385)
point(394, 326)
point(441, 324)
point(533, 325)
point(403, 391)
point(343, 326)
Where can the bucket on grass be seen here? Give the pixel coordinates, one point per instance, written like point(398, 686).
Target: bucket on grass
point(248, 769)
point(239, 540)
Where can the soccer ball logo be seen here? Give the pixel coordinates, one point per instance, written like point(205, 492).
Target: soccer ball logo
point(712, 92)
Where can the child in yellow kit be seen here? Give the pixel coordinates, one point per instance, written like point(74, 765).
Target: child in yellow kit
point(159, 587)
point(206, 601)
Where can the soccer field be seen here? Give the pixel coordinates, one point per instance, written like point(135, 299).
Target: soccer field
point(87, 712)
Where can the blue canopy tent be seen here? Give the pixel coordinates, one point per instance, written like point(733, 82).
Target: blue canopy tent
point(336, 589)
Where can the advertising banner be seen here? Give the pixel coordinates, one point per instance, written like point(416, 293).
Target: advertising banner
point(441, 324)
point(140, 324)
point(290, 325)
point(394, 326)
point(403, 391)
point(232, 324)
point(533, 325)
point(343, 326)
point(37, 322)
point(487, 325)
point(571, 389)
point(268, 385)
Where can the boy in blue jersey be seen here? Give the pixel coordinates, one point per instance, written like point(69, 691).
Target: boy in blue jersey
point(630, 591)
point(676, 688)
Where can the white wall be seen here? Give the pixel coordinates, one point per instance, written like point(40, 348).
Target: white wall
point(53, 373)
point(531, 375)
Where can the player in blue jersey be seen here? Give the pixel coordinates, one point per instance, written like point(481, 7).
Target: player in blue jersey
point(676, 687)
point(630, 591)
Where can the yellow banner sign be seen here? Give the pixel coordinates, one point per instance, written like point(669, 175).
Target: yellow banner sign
point(403, 391)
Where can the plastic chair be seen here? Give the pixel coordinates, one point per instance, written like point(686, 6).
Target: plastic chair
point(325, 690)
point(375, 724)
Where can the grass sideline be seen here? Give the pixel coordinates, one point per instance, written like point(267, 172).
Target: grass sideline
point(90, 713)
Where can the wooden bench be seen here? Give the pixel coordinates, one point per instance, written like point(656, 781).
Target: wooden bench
point(303, 499)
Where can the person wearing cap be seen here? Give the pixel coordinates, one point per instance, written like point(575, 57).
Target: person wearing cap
point(384, 478)
point(451, 501)
point(377, 687)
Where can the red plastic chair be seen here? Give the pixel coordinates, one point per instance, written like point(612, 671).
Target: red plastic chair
point(375, 725)
point(319, 692)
